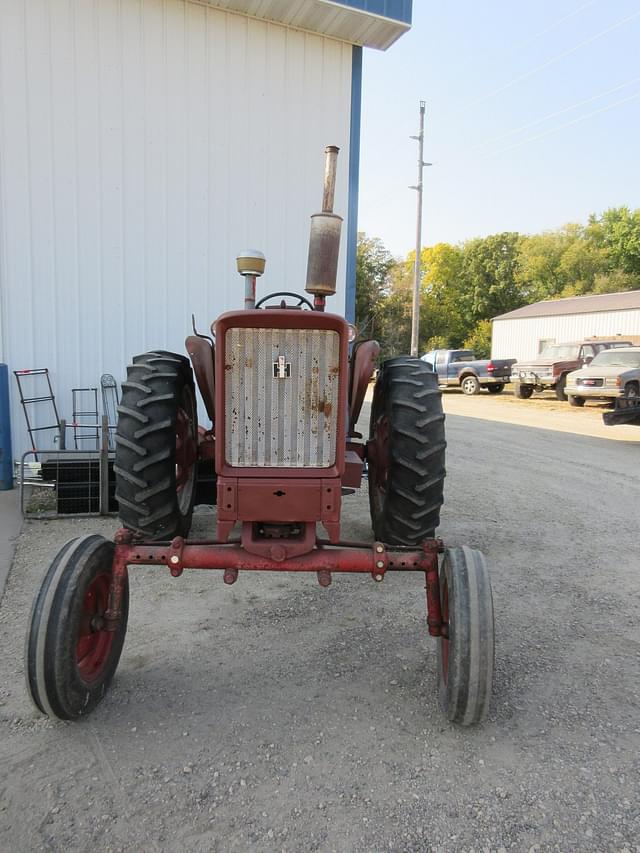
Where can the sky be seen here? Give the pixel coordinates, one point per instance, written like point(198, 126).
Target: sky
point(533, 119)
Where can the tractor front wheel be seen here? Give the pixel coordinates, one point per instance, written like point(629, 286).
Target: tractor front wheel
point(157, 446)
point(466, 654)
point(406, 453)
point(70, 656)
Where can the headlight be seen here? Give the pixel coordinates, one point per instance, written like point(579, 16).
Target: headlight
point(353, 333)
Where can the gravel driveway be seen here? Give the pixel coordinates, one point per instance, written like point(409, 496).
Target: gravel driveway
point(276, 715)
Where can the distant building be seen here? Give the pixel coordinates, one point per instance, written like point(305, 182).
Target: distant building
point(523, 333)
point(144, 144)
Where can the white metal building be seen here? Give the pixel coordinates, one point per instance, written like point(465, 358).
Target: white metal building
point(143, 143)
point(523, 333)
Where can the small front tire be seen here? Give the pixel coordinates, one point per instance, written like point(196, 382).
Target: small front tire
point(70, 657)
point(576, 401)
point(466, 656)
point(495, 389)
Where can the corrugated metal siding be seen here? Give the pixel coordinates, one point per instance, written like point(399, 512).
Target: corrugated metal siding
point(143, 143)
point(519, 338)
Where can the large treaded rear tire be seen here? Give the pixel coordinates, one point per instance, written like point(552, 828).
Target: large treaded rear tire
point(157, 420)
point(406, 465)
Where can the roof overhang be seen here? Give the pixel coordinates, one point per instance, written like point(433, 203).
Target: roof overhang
point(370, 23)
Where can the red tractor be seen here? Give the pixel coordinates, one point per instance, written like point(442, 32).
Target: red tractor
point(283, 386)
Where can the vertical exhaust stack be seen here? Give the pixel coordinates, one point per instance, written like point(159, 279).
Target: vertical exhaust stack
point(324, 240)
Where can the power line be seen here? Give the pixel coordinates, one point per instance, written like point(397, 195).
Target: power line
point(548, 116)
point(554, 59)
point(562, 126)
point(555, 24)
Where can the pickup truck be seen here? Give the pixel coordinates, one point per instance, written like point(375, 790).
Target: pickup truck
point(460, 368)
point(554, 363)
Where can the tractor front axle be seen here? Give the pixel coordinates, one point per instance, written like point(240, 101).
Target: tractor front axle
point(324, 559)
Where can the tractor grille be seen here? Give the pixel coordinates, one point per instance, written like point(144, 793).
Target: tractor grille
point(281, 397)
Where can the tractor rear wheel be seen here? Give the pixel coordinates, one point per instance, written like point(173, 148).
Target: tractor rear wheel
point(70, 656)
point(466, 655)
point(406, 453)
point(156, 446)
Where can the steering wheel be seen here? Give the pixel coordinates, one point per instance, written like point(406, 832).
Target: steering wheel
point(302, 300)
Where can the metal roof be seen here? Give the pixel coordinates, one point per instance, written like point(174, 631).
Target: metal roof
point(594, 304)
point(370, 23)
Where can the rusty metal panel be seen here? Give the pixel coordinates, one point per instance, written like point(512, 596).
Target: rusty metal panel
point(281, 397)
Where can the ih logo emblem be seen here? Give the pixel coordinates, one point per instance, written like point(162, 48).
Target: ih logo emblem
point(281, 368)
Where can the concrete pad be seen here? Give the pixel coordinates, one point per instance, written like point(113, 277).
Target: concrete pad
point(540, 412)
point(10, 526)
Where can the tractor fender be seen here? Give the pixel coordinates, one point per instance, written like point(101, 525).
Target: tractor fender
point(202, 354)
point(363, 361)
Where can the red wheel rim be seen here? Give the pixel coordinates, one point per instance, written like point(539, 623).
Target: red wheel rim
point(381, 454)
point(94, 642)
point(186, 451)
point(444, 641)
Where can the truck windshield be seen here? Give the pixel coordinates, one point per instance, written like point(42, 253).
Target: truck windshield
point(560, 351)
point(617, 356)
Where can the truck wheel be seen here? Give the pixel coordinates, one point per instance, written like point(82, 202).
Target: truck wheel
point(523, 392)
point(470, 385)
point(70, 658)
point(406, 453)
point(496, 389)
point(156, 446)
point(466, 656)
point(560, 386)
point(576, 401)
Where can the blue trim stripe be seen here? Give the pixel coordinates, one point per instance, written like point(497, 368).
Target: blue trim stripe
point(395, 10)
point(6, 458)
point(354, 179)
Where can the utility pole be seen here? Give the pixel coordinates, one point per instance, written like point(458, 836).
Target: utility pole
point(415, 315)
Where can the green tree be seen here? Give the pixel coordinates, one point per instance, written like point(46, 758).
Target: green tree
point(617, 233)
point(374, 264)
point(395, 313)
point(480, 340)
point(446, 298)
point(540, 272)
point(489, 271)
